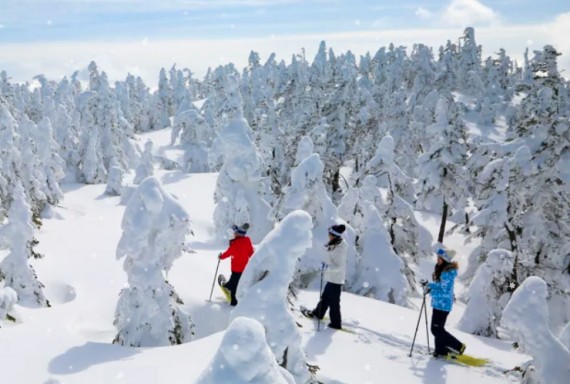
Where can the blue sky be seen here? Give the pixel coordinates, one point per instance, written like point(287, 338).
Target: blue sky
point(143, 35)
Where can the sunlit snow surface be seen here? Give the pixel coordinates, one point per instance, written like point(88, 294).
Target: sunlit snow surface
point(71, 342)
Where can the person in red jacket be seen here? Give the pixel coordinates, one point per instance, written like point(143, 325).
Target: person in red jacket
point(240, 250)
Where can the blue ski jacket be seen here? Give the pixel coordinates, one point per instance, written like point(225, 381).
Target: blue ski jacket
point(442, 291)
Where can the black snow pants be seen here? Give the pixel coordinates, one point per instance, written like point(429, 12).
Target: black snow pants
point(444, 341)
point(330, 298)
point(232, 285)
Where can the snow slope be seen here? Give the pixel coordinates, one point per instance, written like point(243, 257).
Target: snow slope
point(71, 342)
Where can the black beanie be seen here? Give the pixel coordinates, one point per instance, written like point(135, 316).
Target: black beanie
point(337, 230)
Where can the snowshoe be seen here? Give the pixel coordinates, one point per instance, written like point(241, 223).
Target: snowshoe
point(222, 283)
point(307, 313)
point(467, 360)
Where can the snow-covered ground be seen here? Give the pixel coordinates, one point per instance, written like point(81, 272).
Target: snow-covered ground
point(71, 341)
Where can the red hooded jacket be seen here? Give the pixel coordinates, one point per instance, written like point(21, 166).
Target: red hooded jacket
point(240, 250)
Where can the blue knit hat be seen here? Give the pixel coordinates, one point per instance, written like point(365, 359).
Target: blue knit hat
point(241, 230)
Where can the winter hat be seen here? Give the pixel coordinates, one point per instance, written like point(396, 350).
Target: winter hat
point(241, 230)
point(446, 255)
point(337, 230)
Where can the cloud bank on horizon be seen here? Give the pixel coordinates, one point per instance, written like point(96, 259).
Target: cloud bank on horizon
point(57, 37)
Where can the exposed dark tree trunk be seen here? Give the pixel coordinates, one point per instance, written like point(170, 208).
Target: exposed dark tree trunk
point(284, 363)
point(513, 281)
point(336, 181)
point(443, 215)
point(443, 222)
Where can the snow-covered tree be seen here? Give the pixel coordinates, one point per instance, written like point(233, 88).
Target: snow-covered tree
point(163, 102)
point(383, 166)
point(8, 297)
point(354, 203)
point(447, 72)
point(105, 137)
point(498, 196)
point(525, 320)
point(305, 148)
point(381, 272)
point(146, 166)
point(307, 192)
point(29, 166)
point(407, 236)
point(50, 165)
point(487, 295)
point(149, 311)
point(9, 156)
point(196, 138)
point(529, 209)
point(115, 182)
point(469, 68)
point(264, 286)
point(244, 357)
point(442, 179)
point(15, 270)
point(139, 100)
point(240, 185)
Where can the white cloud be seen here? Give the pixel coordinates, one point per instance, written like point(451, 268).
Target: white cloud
point(423, 13)
point(463, 13)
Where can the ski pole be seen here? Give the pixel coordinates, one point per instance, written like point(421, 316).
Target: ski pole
point(427, 332)
point(320, 296)
point(418, 325)
point(214, 282)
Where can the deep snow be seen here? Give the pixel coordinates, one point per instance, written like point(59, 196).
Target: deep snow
point(71, 342)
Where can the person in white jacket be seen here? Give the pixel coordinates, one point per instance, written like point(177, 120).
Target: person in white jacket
point(334, 275)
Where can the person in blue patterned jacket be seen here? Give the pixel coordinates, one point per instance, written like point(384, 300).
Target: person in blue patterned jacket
point(441, 290)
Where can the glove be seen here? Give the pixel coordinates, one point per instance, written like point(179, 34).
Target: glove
point(423, 282)
point(220, 256)
point(427, 289)
point(324, 266)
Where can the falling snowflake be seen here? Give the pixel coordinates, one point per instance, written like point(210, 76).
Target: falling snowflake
point(222, 366)
point(366, 284)
point(120, 375)
point(512, 285)
point(235, 347)
point(367, 367)
point(377, 269)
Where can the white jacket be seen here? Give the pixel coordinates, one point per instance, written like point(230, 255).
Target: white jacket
point(336, 264)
